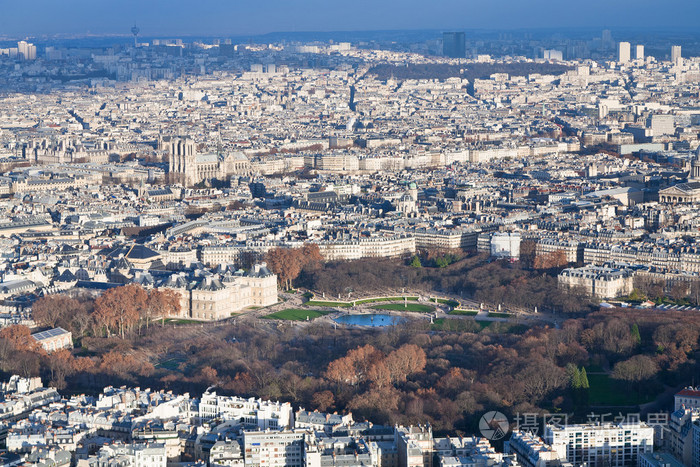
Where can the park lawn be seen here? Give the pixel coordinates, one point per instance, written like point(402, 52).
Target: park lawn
point(496, 314)
point(455, 325)
point(170, 364)
point(179, 321)
point(470, 325)
point(501, 327)
point(293, 314)
point(464, 312)
point(606, 391)
point(338, 304)
point(448, 302)
point(386, 299)
point(407, 307)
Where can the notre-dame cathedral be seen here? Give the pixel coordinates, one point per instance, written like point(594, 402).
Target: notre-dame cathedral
point(188, 168)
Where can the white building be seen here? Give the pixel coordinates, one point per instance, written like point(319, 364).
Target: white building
point(505, 245)
point(552, 54)
point(390, 246)
point(531, 451)
point(616, 445)
point(129, 455)
point(319, 421)
point(623, 52)
point(251, 412)
point(226, 453)
point(688, 397)
point(27, 51)
point(676, 54)
point(274, 449)
point(662, 125)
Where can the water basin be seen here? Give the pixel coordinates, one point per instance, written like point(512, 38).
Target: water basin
point(374, 320)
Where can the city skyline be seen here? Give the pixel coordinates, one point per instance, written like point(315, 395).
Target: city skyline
point(378, 236)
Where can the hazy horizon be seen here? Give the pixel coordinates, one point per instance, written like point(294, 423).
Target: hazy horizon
point(216, 18)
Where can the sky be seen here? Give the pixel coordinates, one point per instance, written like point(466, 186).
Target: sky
point(251, 17)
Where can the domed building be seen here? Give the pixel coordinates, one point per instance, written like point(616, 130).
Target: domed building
point(685, 193)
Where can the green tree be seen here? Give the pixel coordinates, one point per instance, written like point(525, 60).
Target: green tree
point(635, 334)
point(415, 262)
point(636, 296)
point(574, 376)
point(584, 379)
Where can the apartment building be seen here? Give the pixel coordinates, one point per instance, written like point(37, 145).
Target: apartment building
point(415, 446)
point(688, 398)
point(531, 451)
point(661, 257)
point(678, 434)
point(445, 239)
point(255, 413)
point(616, 445)
point(131, 455)
point(572, 248)
point(373, 247)
point(274, 449)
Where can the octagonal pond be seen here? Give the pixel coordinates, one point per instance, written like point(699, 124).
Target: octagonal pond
point(373, 320)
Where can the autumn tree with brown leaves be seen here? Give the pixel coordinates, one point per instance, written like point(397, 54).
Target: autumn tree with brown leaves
point(21, 338)
point(354, 368)
point(367, 364)
point(161, 303)
point(50, 310)
point(555, 259)
point(323, 400)
point(288, 263)
point(405, 361)
point(120, 308)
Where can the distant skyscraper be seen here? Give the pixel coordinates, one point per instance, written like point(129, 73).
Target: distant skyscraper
point(675, 53)
point(639, 52)
point(623, 52)
point(606, 39)
point(453, 44)
point(26, 50)
point(135, 31)
point(552, 54)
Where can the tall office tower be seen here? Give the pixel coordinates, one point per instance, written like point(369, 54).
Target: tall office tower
point(675, 53)
point(606, 39)
point(552, 54)
point(639, 52)
point(22, 49)
point(26, 50)
point(453, 44)
point(623, 52)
